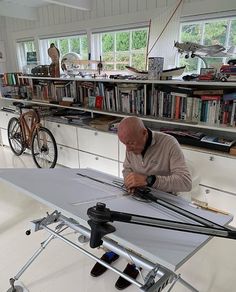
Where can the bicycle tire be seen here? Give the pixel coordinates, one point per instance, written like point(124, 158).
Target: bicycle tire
point(15, 138)
point(39, 152)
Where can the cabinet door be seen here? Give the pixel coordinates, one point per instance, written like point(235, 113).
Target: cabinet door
point(100, 143)
point(98, 163)
point(63, 134)
point(68, 157)
point(4, 119)
point(4, 135)
point(214, 170)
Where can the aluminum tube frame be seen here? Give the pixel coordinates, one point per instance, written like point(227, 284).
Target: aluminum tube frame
point(55, 234)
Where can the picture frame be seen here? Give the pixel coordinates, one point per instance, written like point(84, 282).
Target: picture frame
point(2, 52)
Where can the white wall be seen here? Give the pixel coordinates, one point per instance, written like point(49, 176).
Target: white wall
point(3, 32)
point(58, 20)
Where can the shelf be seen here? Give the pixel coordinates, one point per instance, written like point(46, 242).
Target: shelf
point(144, 118)
point(171, 82)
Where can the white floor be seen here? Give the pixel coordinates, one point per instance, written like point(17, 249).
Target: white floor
point(60, 268)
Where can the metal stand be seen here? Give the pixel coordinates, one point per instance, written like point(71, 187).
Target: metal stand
point(163, 275)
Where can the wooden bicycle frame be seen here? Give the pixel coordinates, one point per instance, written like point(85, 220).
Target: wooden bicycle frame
point(29, 128)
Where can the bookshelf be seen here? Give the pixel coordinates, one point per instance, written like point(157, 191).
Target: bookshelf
point(153, 101)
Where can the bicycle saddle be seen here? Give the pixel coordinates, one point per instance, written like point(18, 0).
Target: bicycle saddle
point(21, 105)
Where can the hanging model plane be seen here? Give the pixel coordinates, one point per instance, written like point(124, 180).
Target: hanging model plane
point(194, 49)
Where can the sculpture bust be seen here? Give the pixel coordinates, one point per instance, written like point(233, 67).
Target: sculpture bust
point(54, 67)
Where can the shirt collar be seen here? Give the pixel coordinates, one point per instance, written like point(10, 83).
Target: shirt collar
point(148, 142)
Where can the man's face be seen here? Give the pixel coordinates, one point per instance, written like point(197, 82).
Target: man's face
point(135, 143)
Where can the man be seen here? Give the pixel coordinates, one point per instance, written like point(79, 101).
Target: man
point(153, 159)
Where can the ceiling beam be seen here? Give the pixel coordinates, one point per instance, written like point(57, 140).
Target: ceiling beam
point(77, 4)
point(18, 11)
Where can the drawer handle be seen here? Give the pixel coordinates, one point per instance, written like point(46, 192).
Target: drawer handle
point(96, 133)
point(96, 158)
point(207, 191)
point(212, 158)
point(58, 126)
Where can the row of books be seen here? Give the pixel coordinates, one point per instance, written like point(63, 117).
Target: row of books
point(47, 90)
point(12, 79)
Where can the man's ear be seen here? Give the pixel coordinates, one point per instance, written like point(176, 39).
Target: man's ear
point(145, 131)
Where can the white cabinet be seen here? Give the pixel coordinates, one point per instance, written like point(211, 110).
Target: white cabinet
point(99, 163)
point(214, 170)
point(63, 134)
point(4, 118)
point(99, 143)
point(68, 157)
point(4, 135)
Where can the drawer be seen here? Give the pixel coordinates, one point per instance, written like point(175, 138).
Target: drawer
point(214, 171)
point(4, 136)
point(99, 143)
point(4, 119)
point(98, 163)
point(68, 157)
point(63, 134)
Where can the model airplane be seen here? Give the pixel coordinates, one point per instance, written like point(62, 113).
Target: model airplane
point(194, 49)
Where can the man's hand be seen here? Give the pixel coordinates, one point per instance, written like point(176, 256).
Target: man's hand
point(134, 180)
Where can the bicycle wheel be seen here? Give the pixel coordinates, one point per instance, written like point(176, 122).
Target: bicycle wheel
point(44, 148)
point(15, 136)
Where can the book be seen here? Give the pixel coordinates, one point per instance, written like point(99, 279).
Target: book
point(210, 97)
point(218, 140)
point(209, 92)
point(98, 102)
point(229, 96)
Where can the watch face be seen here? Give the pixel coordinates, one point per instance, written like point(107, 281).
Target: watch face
point(149, 180)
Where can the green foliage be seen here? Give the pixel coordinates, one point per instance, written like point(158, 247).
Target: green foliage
point(122, 41)
point(75, 45)
point(191, 33)
point(138, 60)
point(139, 39)
point(232, 38)
point(63, 46)
point(108, 42)
point(215, 33)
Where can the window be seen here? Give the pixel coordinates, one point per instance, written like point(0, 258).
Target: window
point(210, 32)
point(121, 48)
point(77, 44)
point(24, 47)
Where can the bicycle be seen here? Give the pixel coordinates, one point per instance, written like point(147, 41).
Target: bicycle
point(26, 132)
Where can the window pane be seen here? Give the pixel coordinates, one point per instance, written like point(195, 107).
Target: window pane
point(139, 39)
point(215, 33)
point(138, 61)
point(108, 57)
point(123, 58)
point(84, 47)
point(191, 33)
point(122, 41)
point(232, 36)
point(213, 62)
point(191, 64)
point(107, 42)
point(75, 45)
point(63, 46)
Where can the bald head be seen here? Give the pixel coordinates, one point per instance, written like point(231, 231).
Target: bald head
point(133, 134)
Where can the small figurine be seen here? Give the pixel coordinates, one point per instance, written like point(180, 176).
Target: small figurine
point(54, 67)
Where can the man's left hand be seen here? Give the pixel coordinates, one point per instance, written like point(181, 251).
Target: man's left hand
point(135, 180)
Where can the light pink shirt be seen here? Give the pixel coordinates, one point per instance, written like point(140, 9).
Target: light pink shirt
point(164, 159)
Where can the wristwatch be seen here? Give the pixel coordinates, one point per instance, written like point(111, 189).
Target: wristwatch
point(150, 180)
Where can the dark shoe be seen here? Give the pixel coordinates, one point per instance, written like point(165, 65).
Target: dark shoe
point(99, 269)
point(129, 270)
